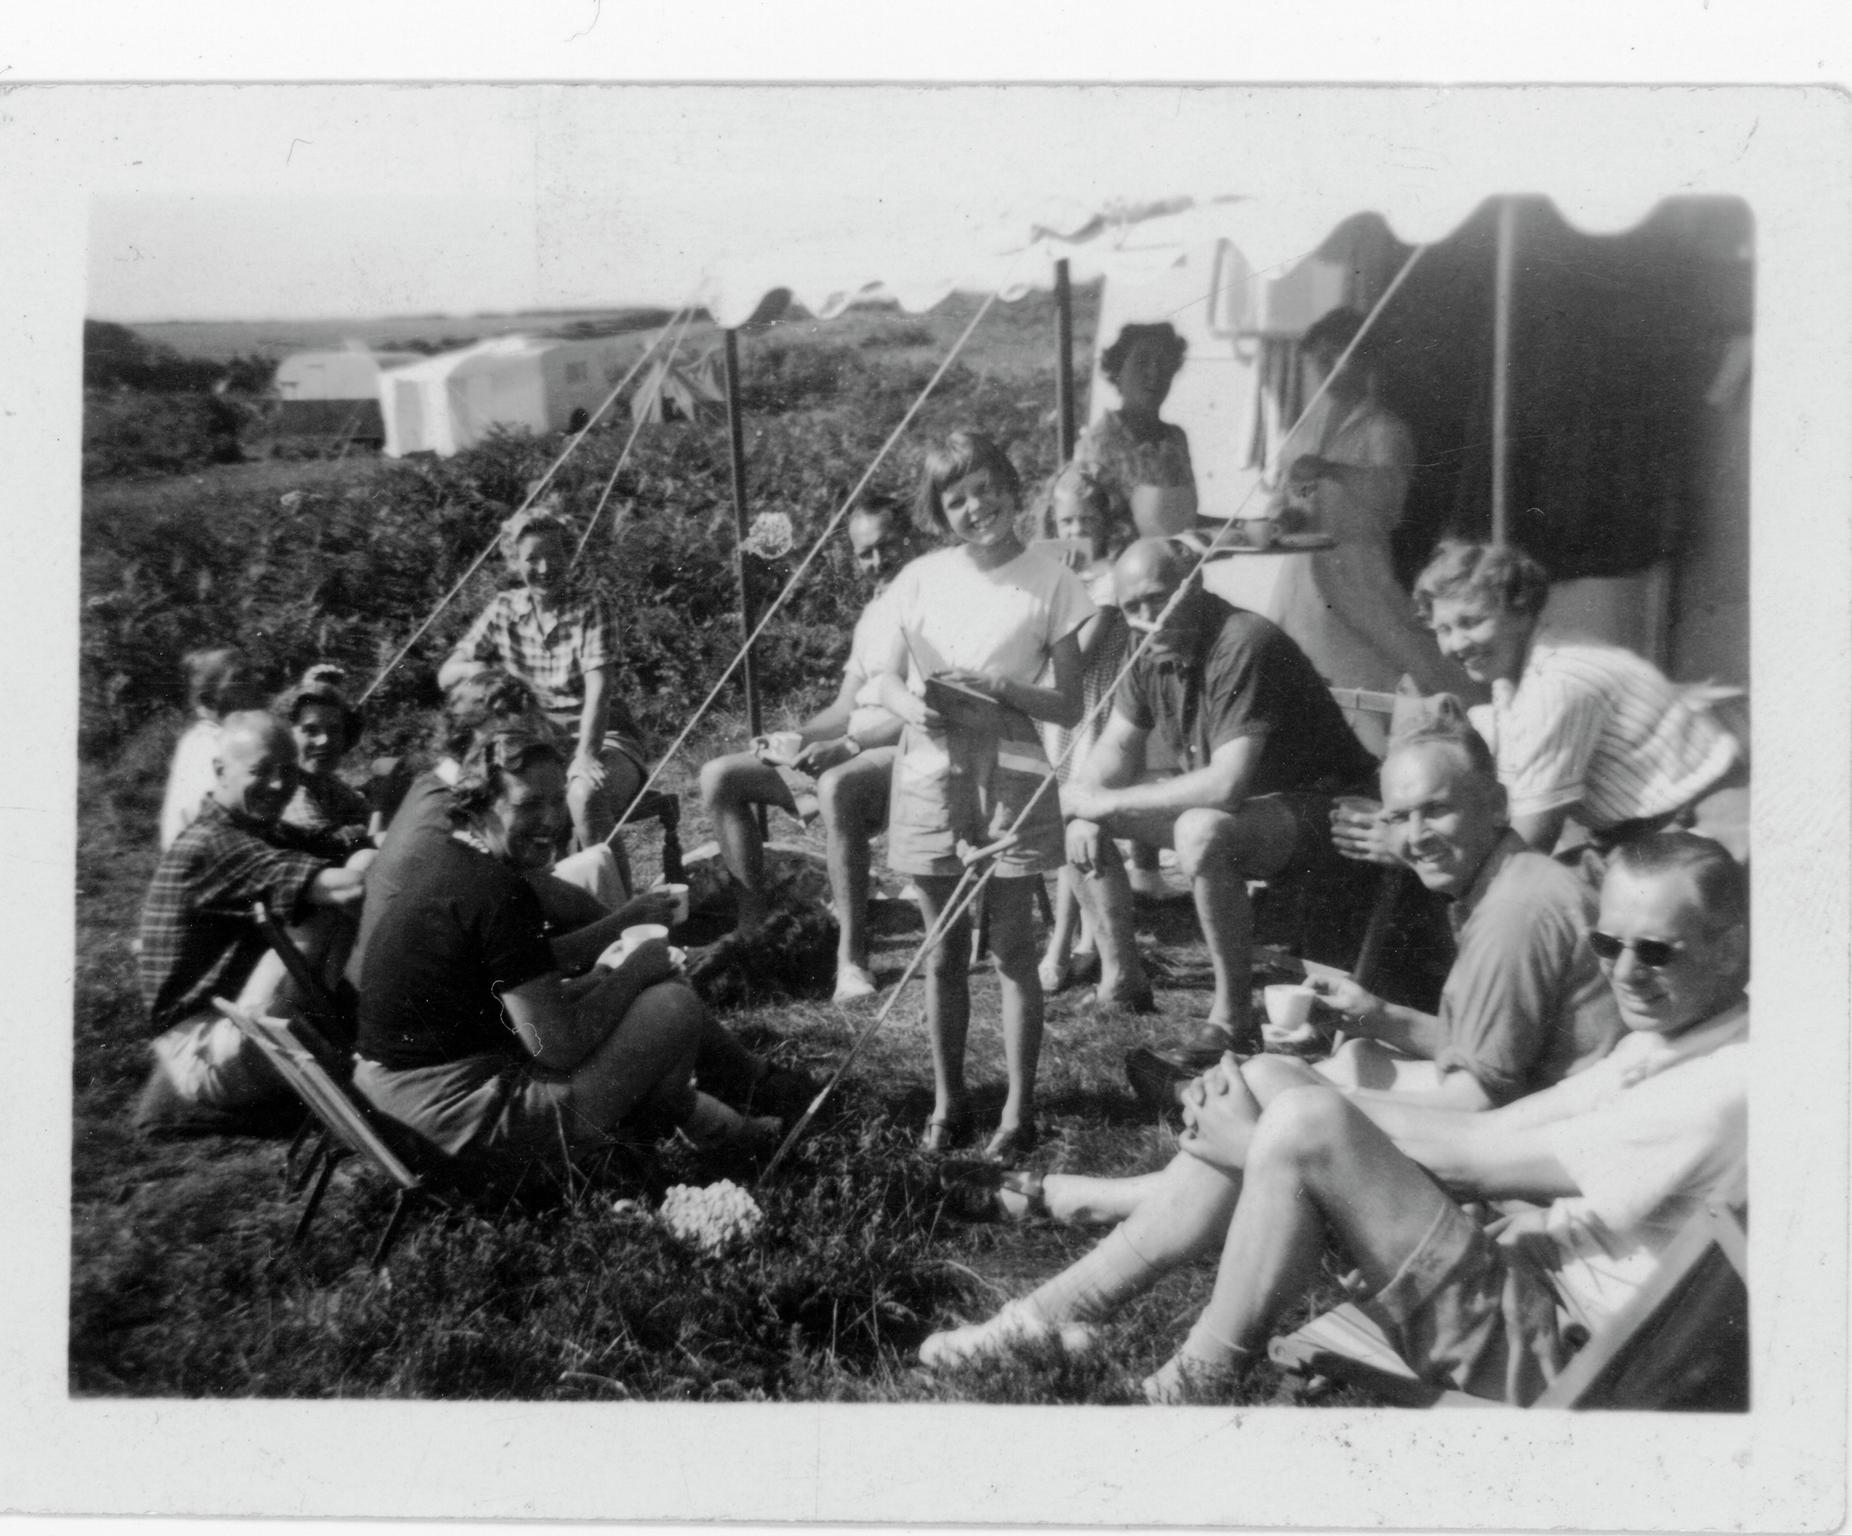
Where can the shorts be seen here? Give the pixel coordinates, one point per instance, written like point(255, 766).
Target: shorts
point(482, 1109)
point(1467, 1313)
point(961, 785)
point(622, 743)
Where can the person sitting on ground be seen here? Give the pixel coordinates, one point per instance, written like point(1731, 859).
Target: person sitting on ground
point(473, 1039)
point(1577, 728)
point(218, 683)
point(561, 640)
point(326, 727)
point(1262, 748)
point(847, 748)
point(1275, 1162)
point(198, 941)
point(1083, 510)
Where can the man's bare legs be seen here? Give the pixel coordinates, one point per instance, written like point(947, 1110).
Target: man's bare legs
point(1316, 1164)
point(595, 811)
point(853, 796)
point(732, 788)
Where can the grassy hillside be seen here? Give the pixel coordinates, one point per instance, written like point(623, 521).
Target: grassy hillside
point(182, 1282)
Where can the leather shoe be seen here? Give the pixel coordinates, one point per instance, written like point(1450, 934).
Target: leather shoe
point(1157, 1082)
point(1204, 1048)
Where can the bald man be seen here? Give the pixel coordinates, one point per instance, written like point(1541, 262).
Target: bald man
point(1261, 749)
point(198, 941)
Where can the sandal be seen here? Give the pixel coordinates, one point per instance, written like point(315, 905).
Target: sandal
point(976, 1191)
point(1009, 1142)
point(943, 1132)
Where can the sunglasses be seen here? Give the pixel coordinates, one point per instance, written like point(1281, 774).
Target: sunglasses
point(1654, 954)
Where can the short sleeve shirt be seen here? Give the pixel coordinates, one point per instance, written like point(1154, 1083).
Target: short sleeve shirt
point(443, 948)
point(1525, 1004)
point(551, 657)
point(868, 651)
point(1005, 620)
point(197, 938)
point(1600, 729)
point(1245, 677)
point(1663, 1125)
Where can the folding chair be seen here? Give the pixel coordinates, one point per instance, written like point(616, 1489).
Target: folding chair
point(346, 1128)
point(1682, 1341)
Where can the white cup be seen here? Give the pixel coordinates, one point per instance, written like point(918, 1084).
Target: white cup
point(1289, 1009)
point(782, 747)
point(642, 933)
point(680, 893)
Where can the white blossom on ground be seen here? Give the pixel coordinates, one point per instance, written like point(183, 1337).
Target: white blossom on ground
point(711, 1219)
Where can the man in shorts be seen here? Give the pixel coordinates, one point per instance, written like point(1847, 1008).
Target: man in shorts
point(198, 941)
point(847, 749)
point(1261, 749)
point(1276, 1162)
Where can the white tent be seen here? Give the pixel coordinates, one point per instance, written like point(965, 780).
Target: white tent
point(450, 402)
point(347, 373)
point(679, 387)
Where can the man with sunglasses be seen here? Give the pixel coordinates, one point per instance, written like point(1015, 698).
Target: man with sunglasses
point(1276, 1163)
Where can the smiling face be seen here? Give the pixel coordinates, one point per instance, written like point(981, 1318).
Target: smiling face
point(321, 737)
point(879, 544)
point(1483, 635)
point(540, 560)
point(1444, 818)
point(980, 511)
point(523, 827)
point(255, 771)
point(1703, 972)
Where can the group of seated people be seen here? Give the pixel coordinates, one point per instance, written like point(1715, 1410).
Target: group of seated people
point(989, 722)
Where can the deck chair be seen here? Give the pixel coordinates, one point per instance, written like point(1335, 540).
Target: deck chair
point(347, 1128)
point(1683, 1341)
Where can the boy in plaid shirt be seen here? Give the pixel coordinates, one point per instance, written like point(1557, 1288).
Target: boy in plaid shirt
point(562, 642)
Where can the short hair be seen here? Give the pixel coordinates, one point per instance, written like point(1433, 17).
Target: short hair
point(534, 520)
point(1458, 736)
point(1336, 330)
point(1163, 335)
point(208, 671)
point(485, 700)
point(1500, 572)
point(320, 685)
point(1722, 884)
point(963, 453)
point(881, 504)
point(1091, 489)
point(491, 758)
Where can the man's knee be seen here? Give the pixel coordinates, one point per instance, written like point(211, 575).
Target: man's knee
point(850, 804)
point(724, 779)
point(1300, 1126)
point(1205, 838)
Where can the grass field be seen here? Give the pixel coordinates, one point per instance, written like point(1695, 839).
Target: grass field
point(182, 1280)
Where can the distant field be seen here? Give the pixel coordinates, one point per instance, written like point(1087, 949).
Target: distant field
point(1014, 338)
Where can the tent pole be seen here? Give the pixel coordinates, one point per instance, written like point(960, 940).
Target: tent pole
point(736, 445)
point(1501, 369)
point(1064, 359)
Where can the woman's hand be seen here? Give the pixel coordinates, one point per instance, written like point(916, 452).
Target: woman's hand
point(649, 907)
point(1349, 999)
point(1359, 832)
point(586, 765)
point(1220, 1113)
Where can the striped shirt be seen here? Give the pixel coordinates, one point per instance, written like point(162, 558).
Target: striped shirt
point(1597, 728)
point(551, 657)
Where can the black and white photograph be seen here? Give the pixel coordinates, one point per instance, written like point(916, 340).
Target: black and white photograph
point(949, 803)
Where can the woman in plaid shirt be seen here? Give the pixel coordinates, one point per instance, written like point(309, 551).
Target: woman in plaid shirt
point(562, 642)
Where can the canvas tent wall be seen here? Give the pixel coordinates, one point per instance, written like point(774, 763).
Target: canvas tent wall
point(1629, 399)
point(680, 388)
point(450, 402)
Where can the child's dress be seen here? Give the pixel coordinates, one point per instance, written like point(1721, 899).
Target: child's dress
point(1095, 682)
point(974, 783)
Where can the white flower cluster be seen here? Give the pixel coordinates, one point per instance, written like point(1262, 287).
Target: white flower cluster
point(712, 1219)
point(770, 536)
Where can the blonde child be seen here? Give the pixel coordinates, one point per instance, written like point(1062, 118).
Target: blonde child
point(1004, 622)
point(218, 683)
point(1082, 509)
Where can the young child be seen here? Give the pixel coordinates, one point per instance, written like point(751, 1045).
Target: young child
point(218, 683)
point(1082, 508)
point(1006, 624)
point(326, 727)
point(560, 640)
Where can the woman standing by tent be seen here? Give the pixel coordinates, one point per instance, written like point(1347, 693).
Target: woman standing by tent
point(1145, 460)
point(1349, 461)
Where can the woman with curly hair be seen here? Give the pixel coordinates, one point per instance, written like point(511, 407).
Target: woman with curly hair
point(1144, 461)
